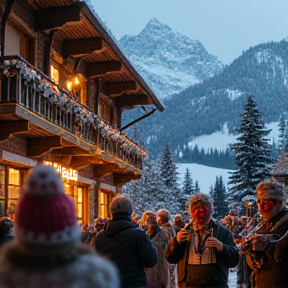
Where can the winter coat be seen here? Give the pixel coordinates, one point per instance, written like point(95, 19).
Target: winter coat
point(170, 232)
point(159, 275)
point(270, 266)
point(6, 230)
point(83, 268)
point(178, 253)
point(129, 248)
point(169, 229)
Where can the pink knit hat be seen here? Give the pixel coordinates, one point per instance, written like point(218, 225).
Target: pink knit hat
point(45, 215)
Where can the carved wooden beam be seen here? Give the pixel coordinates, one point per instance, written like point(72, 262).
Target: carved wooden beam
point(60, 159)
point(79, 47)
point(79, 162)
point(127, 101)
point(47, 51)
point(11, 127)
point(102, 170)
point(100, 68)
point(38, 146)
point(121, 179)
point(71, 151)
point(116, 89)
point(56, 17)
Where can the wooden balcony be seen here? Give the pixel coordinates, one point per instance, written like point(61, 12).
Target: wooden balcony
point(27, 94)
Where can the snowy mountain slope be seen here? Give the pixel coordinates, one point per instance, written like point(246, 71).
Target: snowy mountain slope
point(202, 109)
point(205, 175)
point(221, 140)
point(168, 61)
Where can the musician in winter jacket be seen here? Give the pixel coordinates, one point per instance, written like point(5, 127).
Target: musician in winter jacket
point(267, 248)
point(204, 250)
point(128, 246)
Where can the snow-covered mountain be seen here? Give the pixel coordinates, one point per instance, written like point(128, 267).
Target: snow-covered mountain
point(168, 61)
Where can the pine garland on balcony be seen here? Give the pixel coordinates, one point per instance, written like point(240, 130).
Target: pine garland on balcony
point(66, 102)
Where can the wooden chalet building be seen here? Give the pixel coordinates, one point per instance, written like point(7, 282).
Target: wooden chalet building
point(280, 171)
point(63, 85)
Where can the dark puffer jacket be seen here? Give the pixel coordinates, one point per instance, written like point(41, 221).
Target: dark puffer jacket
point(129, 248)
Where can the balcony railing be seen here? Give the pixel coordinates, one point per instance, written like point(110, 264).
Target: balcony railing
point(26, 85)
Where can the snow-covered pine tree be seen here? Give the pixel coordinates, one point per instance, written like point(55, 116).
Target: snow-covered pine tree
point(188, 187)
point(169, 174)
point(219, 199)
point(286, 140)
point(187, 190)
point(149, 192)
point(197, 187)
point(282, 133)
point(211, 192)
point(252, 154)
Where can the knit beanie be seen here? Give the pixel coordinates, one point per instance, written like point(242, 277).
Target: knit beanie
point(45, 215)
point(200, 200)
point(270, 188)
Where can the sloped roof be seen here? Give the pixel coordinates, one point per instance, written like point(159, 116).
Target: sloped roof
point(281, 167)
point(85, 24)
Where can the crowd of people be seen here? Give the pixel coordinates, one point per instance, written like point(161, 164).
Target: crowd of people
point(45, 246)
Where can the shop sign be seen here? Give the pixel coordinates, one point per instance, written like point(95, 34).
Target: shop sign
point(64, 172)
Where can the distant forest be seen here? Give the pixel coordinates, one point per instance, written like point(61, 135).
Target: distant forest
point(212, 157)
point(204, 108)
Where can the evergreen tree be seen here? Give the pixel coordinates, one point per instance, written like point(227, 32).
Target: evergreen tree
point(197, 188)
point(168, 168)
point(282, 133)
point(211, 192)
point(169, 173)
point(188, 188)
point(219, 197)
point(149, 192)
point(286, 140)
point(252, 154)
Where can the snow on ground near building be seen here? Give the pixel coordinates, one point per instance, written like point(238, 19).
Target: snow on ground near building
point(205, 175)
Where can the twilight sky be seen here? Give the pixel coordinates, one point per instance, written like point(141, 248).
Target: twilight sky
point(226, 28)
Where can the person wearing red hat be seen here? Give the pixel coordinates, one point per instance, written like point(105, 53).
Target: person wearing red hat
point(267, 247)
point(47, 250)
point(204, 249)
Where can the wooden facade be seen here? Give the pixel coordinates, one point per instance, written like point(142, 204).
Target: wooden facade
point(280, 171)
point(64, 83)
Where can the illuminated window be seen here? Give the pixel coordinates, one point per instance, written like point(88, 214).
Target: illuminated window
point(14, 184)
point(54, 74)
point(80, 202)
point(104, 197)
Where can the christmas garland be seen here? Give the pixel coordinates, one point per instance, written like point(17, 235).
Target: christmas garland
point(66, 102)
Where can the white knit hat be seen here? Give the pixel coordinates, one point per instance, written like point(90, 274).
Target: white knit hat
point(45, 215)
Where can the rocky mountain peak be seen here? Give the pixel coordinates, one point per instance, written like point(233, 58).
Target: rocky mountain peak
point(167, 60)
